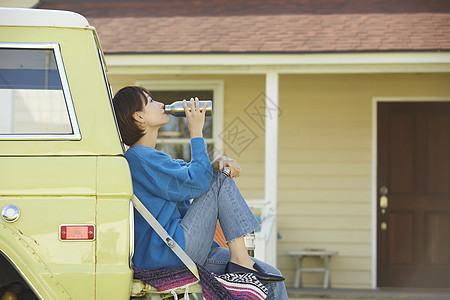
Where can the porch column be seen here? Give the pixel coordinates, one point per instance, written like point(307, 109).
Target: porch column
point(271, 159)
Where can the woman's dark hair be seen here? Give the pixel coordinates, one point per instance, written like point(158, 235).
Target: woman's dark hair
point(126, 102)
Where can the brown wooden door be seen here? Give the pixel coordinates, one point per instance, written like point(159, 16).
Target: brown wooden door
point(414, 165)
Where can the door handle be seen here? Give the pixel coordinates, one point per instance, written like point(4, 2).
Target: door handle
point(10, 213)
point(384, 201)
point(383, 205)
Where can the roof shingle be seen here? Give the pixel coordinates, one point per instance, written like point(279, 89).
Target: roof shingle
point(294, 26)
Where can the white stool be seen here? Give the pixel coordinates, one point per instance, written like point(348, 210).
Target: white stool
point(324, 254)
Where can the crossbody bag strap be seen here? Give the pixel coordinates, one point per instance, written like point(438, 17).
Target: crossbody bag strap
point(165, 236)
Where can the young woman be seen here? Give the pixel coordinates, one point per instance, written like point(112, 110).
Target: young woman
point(166, 187)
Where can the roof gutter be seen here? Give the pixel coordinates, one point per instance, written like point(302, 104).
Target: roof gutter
point(315, 63)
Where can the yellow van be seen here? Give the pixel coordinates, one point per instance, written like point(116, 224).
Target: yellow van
point(65, 187)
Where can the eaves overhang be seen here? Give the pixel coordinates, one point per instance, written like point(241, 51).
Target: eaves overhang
point(305, 63)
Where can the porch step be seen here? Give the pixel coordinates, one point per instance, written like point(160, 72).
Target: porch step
point(369, 294)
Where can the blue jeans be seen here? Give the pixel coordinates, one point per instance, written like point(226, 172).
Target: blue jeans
point(222, 202)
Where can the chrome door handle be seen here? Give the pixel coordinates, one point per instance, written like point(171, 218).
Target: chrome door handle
point(383, 199)
point(384, 202)
point(10, 213)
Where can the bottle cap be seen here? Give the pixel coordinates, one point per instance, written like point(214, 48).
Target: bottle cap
point(226, 171)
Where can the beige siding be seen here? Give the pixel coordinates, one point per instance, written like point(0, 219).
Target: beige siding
point(324, 199)
point(325, 160)
point(325, 163)
point(240, 92)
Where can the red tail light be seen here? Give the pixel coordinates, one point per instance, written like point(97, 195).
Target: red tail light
point(77, 232)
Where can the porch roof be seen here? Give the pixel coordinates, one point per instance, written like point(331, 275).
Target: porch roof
point(272, 26)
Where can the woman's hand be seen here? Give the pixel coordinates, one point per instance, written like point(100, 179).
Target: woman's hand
point(195, 117)
point(224, 161)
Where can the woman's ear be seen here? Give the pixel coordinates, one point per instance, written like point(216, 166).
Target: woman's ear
point(138, 116)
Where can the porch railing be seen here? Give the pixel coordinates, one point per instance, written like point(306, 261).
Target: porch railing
point(265, 241)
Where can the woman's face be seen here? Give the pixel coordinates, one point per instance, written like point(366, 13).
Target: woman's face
point(154, 114)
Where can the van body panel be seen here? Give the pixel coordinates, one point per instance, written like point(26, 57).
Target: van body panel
point(70, 181)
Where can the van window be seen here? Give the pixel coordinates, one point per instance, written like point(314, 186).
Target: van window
point(32, 98)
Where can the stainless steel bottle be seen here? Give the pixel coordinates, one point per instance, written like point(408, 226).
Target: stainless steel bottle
point(176, 109)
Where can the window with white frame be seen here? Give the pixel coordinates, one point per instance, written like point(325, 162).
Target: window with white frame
point(173, 138)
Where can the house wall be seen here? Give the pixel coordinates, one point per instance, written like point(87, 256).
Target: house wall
point(325, 159)
point(325, 167)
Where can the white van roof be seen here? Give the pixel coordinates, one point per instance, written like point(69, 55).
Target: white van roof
point(41, 17)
